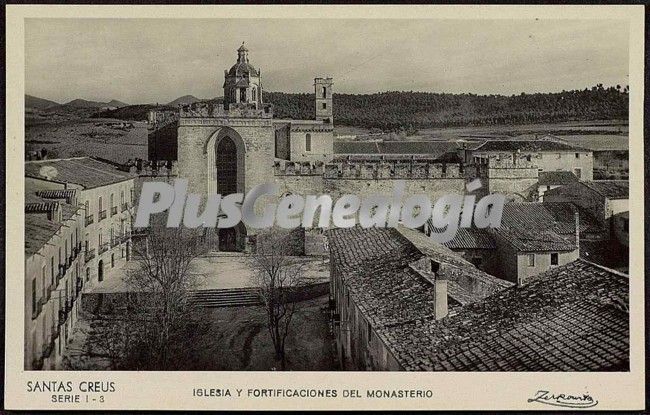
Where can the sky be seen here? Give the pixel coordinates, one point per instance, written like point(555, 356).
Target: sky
point(157, 60)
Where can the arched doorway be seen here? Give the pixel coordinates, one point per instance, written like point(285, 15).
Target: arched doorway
point(232, 239)
point(227, 240)
point(100, 270)
point(226, 164)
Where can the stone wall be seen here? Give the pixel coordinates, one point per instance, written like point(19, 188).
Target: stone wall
point(196, 152)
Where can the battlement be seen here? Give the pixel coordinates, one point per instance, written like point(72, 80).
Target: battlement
point(298, 168)
point(408, 169)
point(509, 161)
point(416, 170)
point(211, 109)
point(145, 168)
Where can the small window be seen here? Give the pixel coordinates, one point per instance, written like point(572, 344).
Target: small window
point(555, 258)
point(548, 187)
point(324, 105)
point(531, 260)
point(112, 260)
point(577, 155)
point(528, 158)
point(308, 142)
point(324, 92)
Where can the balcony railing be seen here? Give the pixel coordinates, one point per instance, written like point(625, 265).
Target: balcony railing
point(102, 215)
point(125, 207)
point(90, 219)
point(103, 248)
point(90, 254)
point(113, 210)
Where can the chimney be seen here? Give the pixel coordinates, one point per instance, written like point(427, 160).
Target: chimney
point(440, 287)
point(577, 218)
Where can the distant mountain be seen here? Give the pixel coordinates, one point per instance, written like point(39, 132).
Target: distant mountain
point(133, 112)
point(185, 99)
point(40, 103)
point(82, 103)
point(116, 103)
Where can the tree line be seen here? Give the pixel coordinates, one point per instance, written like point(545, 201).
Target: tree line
point(409, 111)
point(389, 111)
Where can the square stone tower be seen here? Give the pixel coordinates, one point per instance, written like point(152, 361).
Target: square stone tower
point(323, 90)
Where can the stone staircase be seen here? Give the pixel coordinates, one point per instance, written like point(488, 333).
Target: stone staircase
point(226, 297)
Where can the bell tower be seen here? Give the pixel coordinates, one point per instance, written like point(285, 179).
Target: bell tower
point(323, 90)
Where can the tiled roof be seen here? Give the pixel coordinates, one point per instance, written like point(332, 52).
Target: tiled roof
point(526, 145)
point(554, 178)
point(57, 193)
point(557, 217)
point(374, 263)
point(611, 189)
point(84, 171)
point(526, 240)
point(471, 238)
point(38, 231)
point(570, 318)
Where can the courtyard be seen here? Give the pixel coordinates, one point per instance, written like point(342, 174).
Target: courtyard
point(237, 339)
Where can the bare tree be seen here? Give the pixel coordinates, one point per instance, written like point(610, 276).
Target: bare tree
point(280, 281)
point(154, 324)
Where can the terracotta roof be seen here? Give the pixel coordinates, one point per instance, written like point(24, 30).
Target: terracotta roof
point(526, 145)
point(526, 240)
point(570, 318)
point(471, 238)
point(57, 194)
point(554, 178)
point(558, 217)
point(374, 264)
point(611, 189)
point(38, 229)
point(84, 171)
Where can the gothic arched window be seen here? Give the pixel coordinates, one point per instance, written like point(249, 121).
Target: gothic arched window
point(254, 94)
point(226, 163)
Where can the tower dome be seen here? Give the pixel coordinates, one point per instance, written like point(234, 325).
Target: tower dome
point(242, 83)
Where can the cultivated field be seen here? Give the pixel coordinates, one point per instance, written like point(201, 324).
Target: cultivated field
point(120, 141)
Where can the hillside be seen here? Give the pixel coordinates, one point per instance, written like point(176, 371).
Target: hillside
point(82, 103)
point(40, 103)
point(392, 111)
point(185, 99)
point(413, 110)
